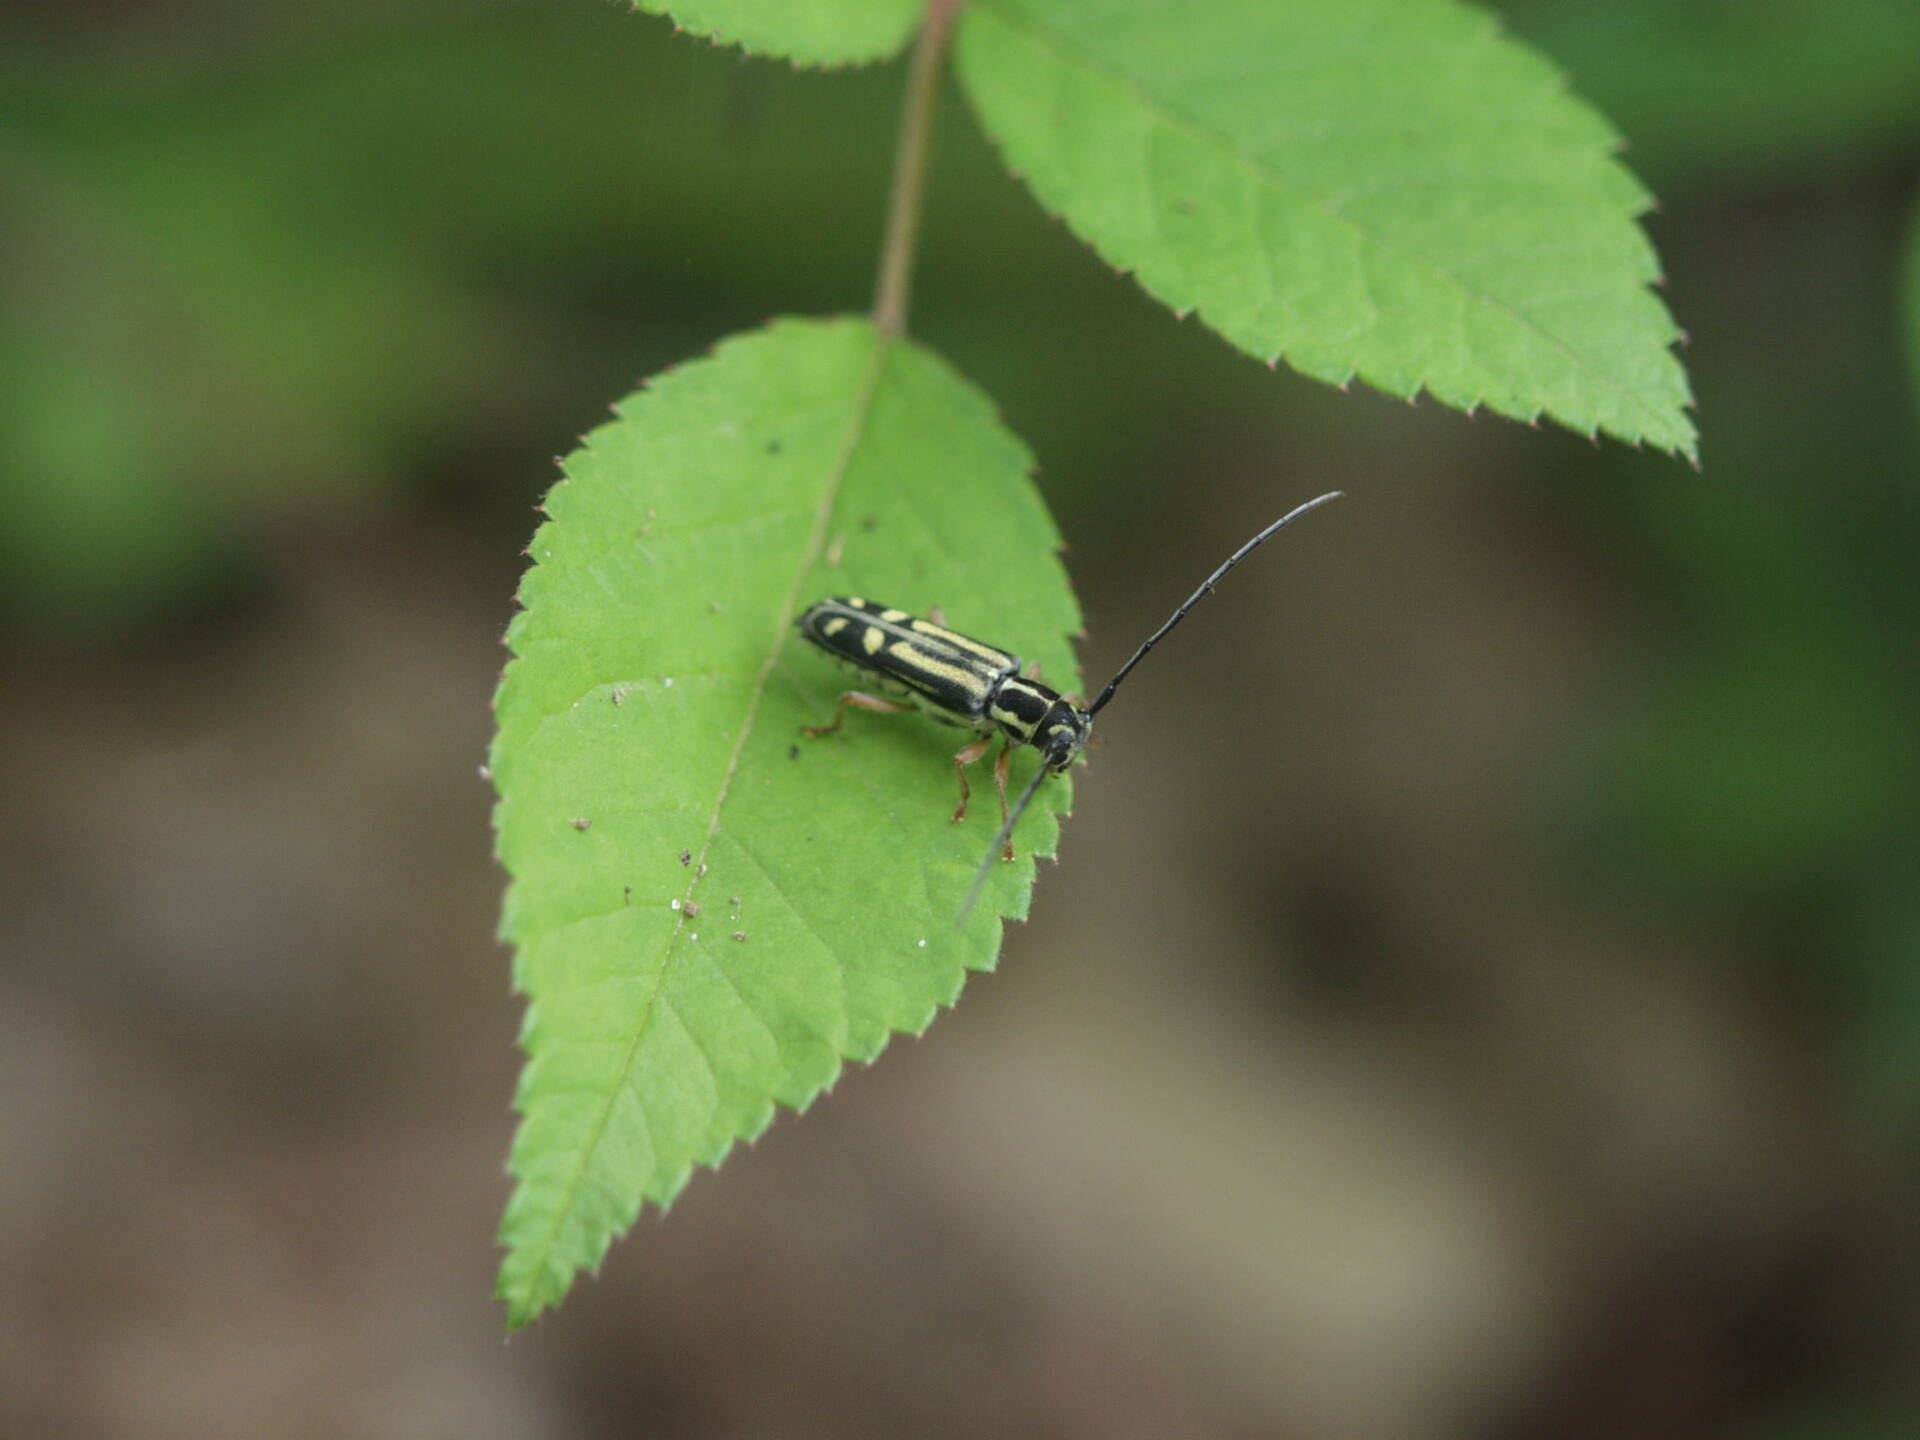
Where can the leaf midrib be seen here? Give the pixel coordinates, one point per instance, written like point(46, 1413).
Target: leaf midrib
point(816, 544)
point(1066, 47)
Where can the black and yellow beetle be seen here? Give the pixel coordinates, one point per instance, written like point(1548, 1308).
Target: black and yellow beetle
point(919, 664)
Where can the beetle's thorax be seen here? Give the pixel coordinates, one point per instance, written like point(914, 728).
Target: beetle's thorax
point(1030, 712)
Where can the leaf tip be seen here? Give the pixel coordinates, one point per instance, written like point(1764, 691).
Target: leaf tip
point(523, 1306)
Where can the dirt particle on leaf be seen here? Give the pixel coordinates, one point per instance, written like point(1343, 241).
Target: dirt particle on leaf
point(686, 857)
point(581, 822)
point(691, 909)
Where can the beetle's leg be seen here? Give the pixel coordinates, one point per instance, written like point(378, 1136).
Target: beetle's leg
point(1032, 672)
point(962, 758)
point(937, 615)
point(860, 700)
point(1000, 768)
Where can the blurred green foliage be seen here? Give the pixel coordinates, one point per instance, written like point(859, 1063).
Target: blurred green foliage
point(1716, 93)
point(271, 282)
point(268, 266)
point(1912, 289)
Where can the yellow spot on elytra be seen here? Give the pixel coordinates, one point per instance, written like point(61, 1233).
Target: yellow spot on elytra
point(896, 616)
point(873, 640)
point(834, 626)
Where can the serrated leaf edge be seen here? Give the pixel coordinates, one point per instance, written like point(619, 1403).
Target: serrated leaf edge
point(796, 59)
point(816, 546)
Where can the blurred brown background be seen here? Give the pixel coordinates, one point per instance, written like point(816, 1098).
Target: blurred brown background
point(1494, 1012)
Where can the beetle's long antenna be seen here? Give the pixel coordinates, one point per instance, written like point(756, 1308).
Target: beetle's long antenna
point(1000, 844)
point(1207, 589)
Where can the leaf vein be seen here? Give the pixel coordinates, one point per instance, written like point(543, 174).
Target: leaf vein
point(540, 1253)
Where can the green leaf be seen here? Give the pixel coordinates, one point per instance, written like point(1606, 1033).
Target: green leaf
point(807, 32)
point(1385, 189)
point(711, 910)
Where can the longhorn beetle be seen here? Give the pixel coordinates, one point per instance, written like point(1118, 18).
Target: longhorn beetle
point(922, 665)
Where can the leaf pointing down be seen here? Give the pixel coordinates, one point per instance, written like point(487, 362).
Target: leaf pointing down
point(710, 911)
point(1381, 188)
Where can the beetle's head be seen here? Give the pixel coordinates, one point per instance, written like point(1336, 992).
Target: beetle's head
point(1062, 734)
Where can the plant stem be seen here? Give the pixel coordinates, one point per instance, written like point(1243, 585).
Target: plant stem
point(910, 169)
